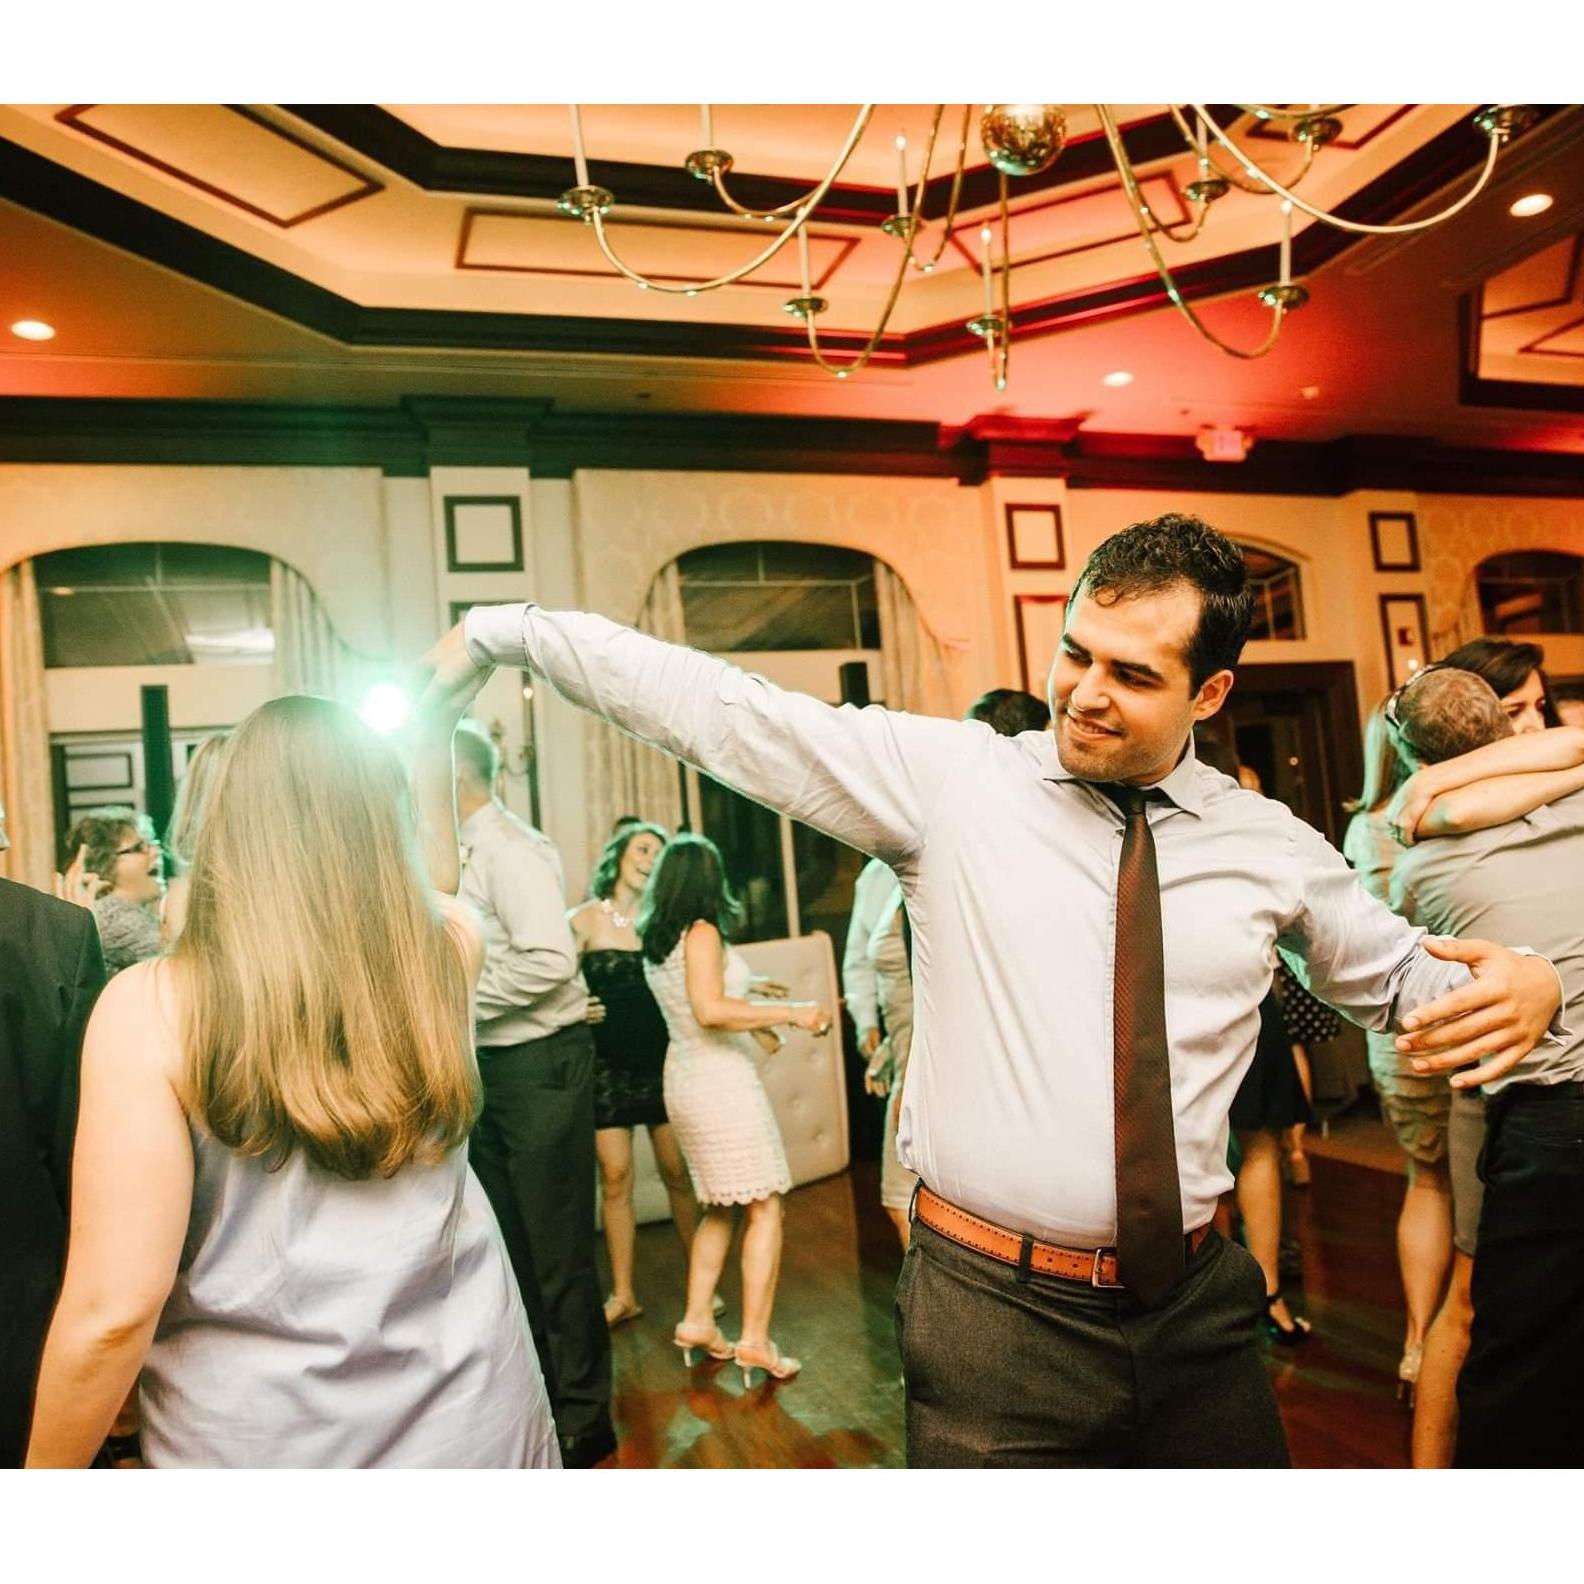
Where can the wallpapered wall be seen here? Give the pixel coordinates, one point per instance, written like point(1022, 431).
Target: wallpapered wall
point(374, 550)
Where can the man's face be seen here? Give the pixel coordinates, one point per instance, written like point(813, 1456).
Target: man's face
point(1119, 687)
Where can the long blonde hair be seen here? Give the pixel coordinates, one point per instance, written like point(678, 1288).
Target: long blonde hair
point(326, 1008)
point(1384, 770)
point(181, 835)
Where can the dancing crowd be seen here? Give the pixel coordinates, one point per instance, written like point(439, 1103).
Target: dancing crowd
point(300, 1150)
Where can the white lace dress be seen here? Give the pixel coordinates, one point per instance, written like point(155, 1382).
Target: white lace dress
point(714, 1096)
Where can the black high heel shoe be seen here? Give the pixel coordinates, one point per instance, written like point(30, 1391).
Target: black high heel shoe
point(1284, 1336)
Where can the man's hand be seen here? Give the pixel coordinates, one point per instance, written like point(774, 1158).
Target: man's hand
point(869, 1042)
point(596, 1010)
point(1495, 1021)
point(880, 1074)
point(767, 989)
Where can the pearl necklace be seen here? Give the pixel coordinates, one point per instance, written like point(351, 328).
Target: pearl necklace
point(618, 918)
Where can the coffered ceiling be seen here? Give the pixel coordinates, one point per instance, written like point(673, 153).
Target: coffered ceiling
point(360, 253)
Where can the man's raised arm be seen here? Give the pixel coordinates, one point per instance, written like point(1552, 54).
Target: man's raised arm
point(868, 777)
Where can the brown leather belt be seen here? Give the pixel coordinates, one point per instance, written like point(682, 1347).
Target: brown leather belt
point(1097, 1267)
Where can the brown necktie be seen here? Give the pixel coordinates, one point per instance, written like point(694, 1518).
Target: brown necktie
point(1150, 1252)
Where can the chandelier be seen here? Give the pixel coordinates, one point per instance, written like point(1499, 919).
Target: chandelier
point(1022, 140)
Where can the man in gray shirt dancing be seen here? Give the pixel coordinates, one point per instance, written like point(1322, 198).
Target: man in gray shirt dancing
point(1094, 919)
point(1523, 1381)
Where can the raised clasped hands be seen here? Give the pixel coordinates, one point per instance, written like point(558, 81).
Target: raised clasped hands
point(1495, 1021)
point(449, 680)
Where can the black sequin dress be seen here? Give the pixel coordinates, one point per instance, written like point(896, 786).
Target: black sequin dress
point(629, 1046)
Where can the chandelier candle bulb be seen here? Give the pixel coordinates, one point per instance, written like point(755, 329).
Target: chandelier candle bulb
point(579, 161)
point(984, 266)
point(1286, 242)
point(803, 255)
point(707, 121)
point(902, 192)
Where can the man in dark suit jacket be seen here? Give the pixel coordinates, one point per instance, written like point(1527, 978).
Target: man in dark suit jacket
point(51, 971)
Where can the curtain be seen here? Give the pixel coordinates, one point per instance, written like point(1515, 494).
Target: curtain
point(913, 663)
point(24, 734)
point(309, 657)
point(625, 776)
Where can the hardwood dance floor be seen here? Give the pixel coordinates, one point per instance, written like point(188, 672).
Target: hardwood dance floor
point(1337, 1393)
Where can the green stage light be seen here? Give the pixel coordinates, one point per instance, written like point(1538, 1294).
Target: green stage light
point(385, 707)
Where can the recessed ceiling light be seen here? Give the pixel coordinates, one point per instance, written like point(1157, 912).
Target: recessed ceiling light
point(33, 330)
point(1531, 204)
point(1120, 377)
point(1309, 392)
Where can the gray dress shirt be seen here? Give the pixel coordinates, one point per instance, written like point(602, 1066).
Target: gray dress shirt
point(511, 877)
point(1009, 866)
point(1520, 881)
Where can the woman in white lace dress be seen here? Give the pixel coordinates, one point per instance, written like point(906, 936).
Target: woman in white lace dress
point(714, 1096)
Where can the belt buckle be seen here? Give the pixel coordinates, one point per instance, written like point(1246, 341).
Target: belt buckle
point(1094, 1274)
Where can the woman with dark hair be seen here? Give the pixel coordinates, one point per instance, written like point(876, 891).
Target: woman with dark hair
point(119, 862)
point(715, 1098)
point(629, 1054)
point(1516, 673)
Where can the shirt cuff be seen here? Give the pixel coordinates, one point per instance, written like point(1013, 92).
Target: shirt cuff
point(1558, 1033)
point(494, 635)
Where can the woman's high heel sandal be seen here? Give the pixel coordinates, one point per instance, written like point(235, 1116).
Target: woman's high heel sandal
point(1281, 1335)
point(713, 1346)
point(768, 1360)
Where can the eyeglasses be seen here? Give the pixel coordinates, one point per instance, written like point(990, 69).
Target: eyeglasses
point(149, 844)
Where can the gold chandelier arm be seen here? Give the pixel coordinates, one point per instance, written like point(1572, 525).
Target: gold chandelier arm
point(794, 206)
point(1356, 226)
point(596, 217)
point(1271, 113)
point(861, 361)
point(1130, 183)
point(1000, 346)
point(952, 198)
point(1259, 189)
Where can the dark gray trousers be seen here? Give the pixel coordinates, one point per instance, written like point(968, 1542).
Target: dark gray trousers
point(532, 1149)
point(1040, 1372)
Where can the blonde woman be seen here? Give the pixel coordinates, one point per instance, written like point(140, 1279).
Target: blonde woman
point(181, 837)
point(307, 1274)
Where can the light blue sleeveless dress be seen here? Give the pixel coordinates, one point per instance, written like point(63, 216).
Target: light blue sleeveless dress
point(320, 1323)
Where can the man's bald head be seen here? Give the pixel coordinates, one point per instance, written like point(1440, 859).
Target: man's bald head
point(1447, 712)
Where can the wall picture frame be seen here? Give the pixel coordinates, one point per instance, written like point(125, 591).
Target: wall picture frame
point(483, 533)
point(1394, 541)
point(1034, 538)
point(1039, 619)
point(1406, 630)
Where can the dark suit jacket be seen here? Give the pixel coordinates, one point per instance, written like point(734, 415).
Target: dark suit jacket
point(51, 971)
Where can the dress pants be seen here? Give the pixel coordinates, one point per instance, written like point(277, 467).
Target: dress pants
point(1004, 1371)
point(533, 1150)
point(1522, 1384)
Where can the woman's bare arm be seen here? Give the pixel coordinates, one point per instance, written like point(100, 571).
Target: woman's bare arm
point(1559, 749)
point(1494, 802)
point(704, 962)
point(132, 1176)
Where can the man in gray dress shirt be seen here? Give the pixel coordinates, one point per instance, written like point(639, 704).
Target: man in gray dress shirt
point(1523, 1380)
point(1008, 856)
point(533, 1145)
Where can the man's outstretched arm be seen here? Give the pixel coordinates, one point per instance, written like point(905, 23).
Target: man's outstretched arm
point(868, 777)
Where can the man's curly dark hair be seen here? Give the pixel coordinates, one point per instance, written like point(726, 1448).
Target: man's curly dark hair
point(1149, 556)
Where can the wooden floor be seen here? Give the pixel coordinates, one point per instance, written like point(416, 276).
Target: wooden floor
point(1337, 1393)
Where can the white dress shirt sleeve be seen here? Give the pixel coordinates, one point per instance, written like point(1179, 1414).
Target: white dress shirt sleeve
point(865, 776)
point(539, 954)
point(1352, 951)
point(859, 986)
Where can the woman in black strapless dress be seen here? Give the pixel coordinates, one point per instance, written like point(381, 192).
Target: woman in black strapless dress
point(629, 1055)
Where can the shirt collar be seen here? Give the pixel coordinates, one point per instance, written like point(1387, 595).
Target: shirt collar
point(1182, 788)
